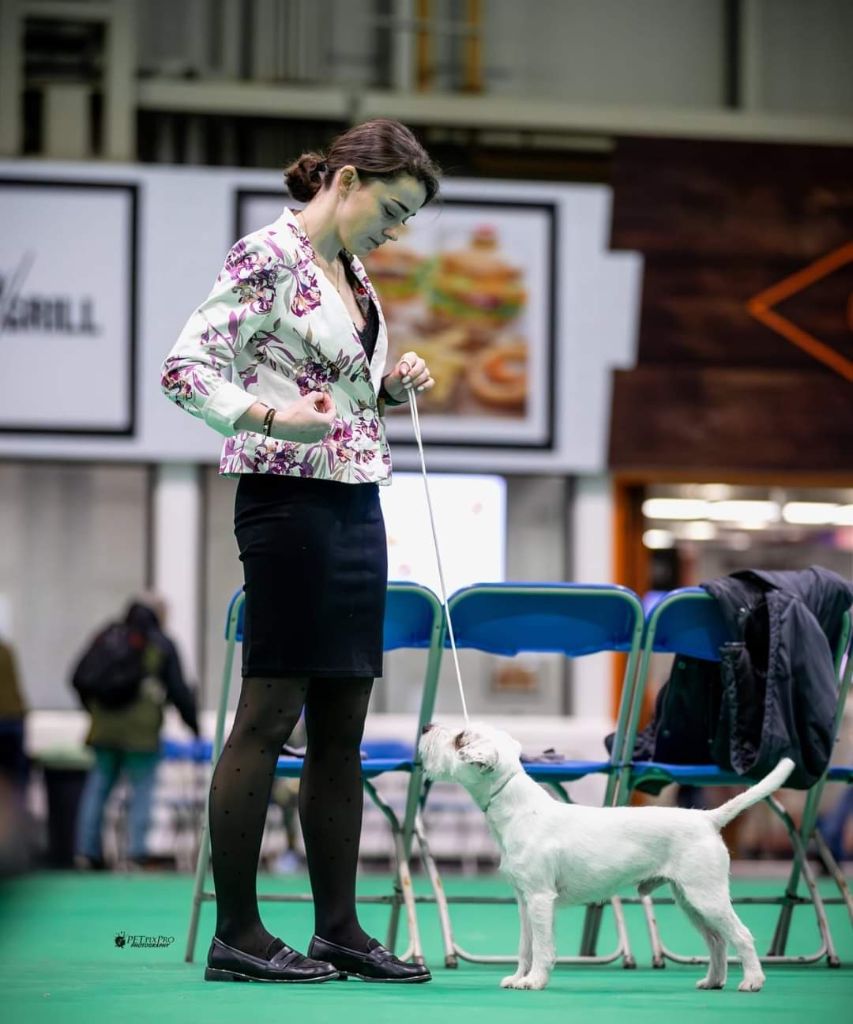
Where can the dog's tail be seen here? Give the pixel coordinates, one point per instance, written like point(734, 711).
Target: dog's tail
point(769, 784)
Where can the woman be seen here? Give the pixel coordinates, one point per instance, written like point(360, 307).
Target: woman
point(295, 316)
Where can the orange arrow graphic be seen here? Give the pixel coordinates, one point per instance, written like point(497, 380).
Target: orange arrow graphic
point(760, 306)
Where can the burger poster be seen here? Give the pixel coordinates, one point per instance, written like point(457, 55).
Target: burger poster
point(469, 286)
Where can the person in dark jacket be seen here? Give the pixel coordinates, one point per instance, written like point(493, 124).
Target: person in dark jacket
point(126, 740)
point(15, 855)
point(13, 710)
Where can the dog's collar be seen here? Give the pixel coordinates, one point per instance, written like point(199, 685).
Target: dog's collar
point(499, 790)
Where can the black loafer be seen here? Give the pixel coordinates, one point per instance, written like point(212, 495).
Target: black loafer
point(282, 964)
point(377, 964)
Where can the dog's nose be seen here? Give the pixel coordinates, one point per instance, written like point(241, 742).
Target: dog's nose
point(426, 728)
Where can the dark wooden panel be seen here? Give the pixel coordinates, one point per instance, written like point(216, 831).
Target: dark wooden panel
point(720, 198)
point(745, 355)
point(731, 420)
point(697, 311)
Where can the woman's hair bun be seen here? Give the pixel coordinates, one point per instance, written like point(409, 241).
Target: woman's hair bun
point(304, 178)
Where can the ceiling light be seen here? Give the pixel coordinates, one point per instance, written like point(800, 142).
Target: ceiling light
point(697, 530)
point(744, 512)
point(717, 492)
point(809, 512)
point(675, 508)
point(658, 539)
point(843, 516)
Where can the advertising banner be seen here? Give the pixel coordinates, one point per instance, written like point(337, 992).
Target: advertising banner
point(67, 307)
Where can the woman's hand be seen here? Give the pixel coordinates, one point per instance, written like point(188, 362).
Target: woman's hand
point(410, 372)
point(307, 419)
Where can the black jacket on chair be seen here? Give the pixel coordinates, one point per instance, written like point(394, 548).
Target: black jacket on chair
point(779, 686)
point(774, 692)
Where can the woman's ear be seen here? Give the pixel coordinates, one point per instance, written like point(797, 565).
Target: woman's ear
point(348, 180)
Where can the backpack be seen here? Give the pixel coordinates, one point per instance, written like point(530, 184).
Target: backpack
point(112, 667)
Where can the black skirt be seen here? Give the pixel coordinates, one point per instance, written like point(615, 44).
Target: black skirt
point(315, 564)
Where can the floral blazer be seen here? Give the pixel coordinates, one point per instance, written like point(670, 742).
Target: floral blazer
point(280, 325)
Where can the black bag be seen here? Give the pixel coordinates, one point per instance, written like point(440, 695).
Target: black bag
point(685, 721)
point(113, 666)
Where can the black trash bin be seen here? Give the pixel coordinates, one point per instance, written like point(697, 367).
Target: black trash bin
point(64, 778)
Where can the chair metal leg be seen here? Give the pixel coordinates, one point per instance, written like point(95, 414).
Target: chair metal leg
point(783, 924)
point(780, 936)
point(658, 956)
point(628, 961)
point(591, 926)
point(394, 916)
point(198, 888)
point(403, 888)
point(450, 958)
point(408, 896)
point(203, 859)
point(835, 872)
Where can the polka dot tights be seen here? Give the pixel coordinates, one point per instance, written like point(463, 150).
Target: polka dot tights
point(330, 803)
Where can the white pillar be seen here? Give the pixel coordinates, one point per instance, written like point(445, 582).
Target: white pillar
point(11, 78)
point(592, 562)
point(177, 556)
point(67, 121)
point(749, 55)
point(119, 130)
point(402, 46)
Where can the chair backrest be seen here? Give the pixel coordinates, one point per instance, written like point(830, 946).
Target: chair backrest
point(687, 621)
point(236, 606)
point(572, 619)
point(568, 618)
point(414, 618)
point(411, 615)
point(684, 621)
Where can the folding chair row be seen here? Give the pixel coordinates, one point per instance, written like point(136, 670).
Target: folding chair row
point(507, 619)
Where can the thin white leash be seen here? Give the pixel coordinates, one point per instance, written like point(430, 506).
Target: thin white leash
point(413, 406)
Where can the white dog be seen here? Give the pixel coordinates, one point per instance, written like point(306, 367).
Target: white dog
point(567, 853)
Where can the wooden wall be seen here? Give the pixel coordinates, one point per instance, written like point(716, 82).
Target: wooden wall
point(745, 358)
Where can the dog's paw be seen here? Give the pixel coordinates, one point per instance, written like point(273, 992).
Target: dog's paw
point(710, 983)
point(511, 981)
point(533, 981)
point(751, 984)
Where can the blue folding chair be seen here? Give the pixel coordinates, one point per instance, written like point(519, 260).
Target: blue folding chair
point(837, 773)
point(689, 621)
point(568, 619)
point(413, 619)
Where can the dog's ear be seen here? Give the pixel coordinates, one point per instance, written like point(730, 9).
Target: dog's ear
point(481, 753)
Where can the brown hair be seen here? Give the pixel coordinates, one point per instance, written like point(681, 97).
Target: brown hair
point(381, 148)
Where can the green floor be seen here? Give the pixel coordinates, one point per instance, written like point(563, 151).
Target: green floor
point(59, 962)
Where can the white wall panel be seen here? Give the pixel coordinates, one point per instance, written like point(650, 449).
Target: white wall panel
point(186, 225)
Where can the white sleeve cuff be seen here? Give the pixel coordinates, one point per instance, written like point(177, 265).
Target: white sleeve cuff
point(225, 406)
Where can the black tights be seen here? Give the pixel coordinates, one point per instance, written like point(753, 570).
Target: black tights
point(330, 803)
